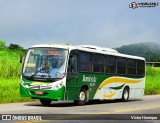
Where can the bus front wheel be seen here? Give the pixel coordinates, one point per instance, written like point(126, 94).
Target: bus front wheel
point(82, 98)
point(45, 101)
point(125, 94)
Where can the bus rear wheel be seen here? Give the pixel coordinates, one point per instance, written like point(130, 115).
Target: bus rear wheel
point(45, 101)
point(125, 95)
point(82, 98)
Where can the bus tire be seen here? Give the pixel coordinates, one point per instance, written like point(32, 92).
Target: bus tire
point(82, 98)
point(45, 101)
point(125, 94)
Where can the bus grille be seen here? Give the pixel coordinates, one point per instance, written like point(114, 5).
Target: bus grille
point(40, 87)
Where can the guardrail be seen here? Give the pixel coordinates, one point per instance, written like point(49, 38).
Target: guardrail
point(153, 64)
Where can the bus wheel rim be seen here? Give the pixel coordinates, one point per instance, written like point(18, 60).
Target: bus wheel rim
point(82, 96)
point(125, 95)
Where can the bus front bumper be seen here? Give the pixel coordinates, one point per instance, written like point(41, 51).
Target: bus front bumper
point(43, 94)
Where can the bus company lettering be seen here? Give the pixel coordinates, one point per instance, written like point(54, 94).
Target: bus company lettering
point(89, 79)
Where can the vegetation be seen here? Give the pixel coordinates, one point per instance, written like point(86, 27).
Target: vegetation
point(15, 47)
point(148, 50)
point(10, 70)
point(10, 60)
point(9, 64)
point(152, 80)
point(9, 91)
point(2, 45)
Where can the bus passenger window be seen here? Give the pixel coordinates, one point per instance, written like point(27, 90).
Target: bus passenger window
point(110, 64)
point(85, 62)
point(140, 68)
point(131, 67)
point(121, 66)
point(98, 63)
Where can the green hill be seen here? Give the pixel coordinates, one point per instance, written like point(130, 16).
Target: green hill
point(147, 50)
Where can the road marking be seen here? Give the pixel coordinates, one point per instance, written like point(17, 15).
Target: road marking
point(128, 110)
point(32, 121)
point(81, 115)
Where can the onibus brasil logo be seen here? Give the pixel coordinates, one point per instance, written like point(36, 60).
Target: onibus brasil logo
point(134, 5)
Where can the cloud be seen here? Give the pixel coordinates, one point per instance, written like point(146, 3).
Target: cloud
point(102, 23)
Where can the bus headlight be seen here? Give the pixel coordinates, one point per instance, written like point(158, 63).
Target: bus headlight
point(23, 84)
point(58, 86)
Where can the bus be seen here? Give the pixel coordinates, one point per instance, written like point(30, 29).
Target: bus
point(53, 72)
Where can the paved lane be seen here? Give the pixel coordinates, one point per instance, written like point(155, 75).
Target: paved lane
point(143, 105)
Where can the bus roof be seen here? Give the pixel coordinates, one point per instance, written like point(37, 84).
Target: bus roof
point(89, 48)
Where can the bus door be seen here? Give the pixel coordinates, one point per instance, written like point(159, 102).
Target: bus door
point(73, 66)
point(72, 77)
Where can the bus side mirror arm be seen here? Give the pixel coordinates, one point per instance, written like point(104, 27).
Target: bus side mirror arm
point(21, 57)
point(72, 61)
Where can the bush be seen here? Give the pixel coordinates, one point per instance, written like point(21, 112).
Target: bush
point(2, 45)
point(10, 64)
point(15, 47)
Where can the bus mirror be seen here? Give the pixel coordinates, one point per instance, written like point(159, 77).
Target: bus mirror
point(72, 61)
point(21, 57)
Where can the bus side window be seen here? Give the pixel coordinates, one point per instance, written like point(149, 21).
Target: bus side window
point(85, 62)
point(140, 68)
point(110, 64)
point(73, 64)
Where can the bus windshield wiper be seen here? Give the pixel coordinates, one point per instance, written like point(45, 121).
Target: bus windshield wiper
point(35, 73)
point(48, 78)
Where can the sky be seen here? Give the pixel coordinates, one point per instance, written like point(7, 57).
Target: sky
point(103, 23)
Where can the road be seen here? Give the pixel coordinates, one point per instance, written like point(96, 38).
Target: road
point(102, 110)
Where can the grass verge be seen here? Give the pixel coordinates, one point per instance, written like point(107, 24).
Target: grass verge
point(9, 91)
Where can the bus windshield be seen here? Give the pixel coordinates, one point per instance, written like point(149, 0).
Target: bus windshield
point(45, 63)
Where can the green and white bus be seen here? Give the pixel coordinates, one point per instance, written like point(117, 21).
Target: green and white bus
point(81, 73)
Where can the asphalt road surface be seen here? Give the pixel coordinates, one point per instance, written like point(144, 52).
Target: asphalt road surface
point(144, 109)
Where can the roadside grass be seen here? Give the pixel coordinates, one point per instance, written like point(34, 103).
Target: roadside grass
point(152, 81)
point(9, 91)
point(152, 85)
point(10, 70)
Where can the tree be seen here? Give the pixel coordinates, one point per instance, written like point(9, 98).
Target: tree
point(150, 54)
point(155, 59)
point(2, 45)
point(15, 47)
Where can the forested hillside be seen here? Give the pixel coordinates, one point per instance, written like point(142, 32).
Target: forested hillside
point(148, 50)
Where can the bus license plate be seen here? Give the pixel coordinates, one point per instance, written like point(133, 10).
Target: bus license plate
point(39, 92)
